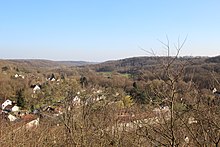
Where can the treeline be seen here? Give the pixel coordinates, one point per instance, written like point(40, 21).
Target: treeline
point(197, 69)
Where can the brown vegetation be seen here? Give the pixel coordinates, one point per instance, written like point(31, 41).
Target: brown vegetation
point(147, 101)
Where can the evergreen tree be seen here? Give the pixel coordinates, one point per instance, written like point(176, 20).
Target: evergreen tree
point(52, 76)
point(138, 95)
point(20, 98)
point(83, 81)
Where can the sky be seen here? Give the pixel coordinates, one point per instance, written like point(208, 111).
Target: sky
point(101, 30)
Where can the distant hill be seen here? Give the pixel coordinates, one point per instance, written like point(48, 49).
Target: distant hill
point(75, 63)
point(137, 63)
point(122, 65)
point(215, 59)
point(40, 63)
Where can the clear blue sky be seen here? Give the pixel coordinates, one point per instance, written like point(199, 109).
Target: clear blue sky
point(100, 30)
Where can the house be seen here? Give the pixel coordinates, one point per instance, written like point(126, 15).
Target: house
point(21, 76)
point(192, 120)
point(12, 117)
point(216, 92)
point(32, 124)
point(7, 109)
point(15, 108)
point(26, 122)
point(6, 103)
point(17, 76)
point(76, 101)
point(51, 78)
point(186, 139)
point(49, 108)
point(9, 106)
point(36, 88)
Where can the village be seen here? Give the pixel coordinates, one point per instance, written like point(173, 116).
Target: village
point(11, 112)
point(78, 103)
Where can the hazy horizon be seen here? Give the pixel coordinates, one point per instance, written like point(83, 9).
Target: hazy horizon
point(98, 31)
point(100, 61)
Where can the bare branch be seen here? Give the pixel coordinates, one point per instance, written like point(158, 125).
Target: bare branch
point(151, 52)
point(166, 45)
